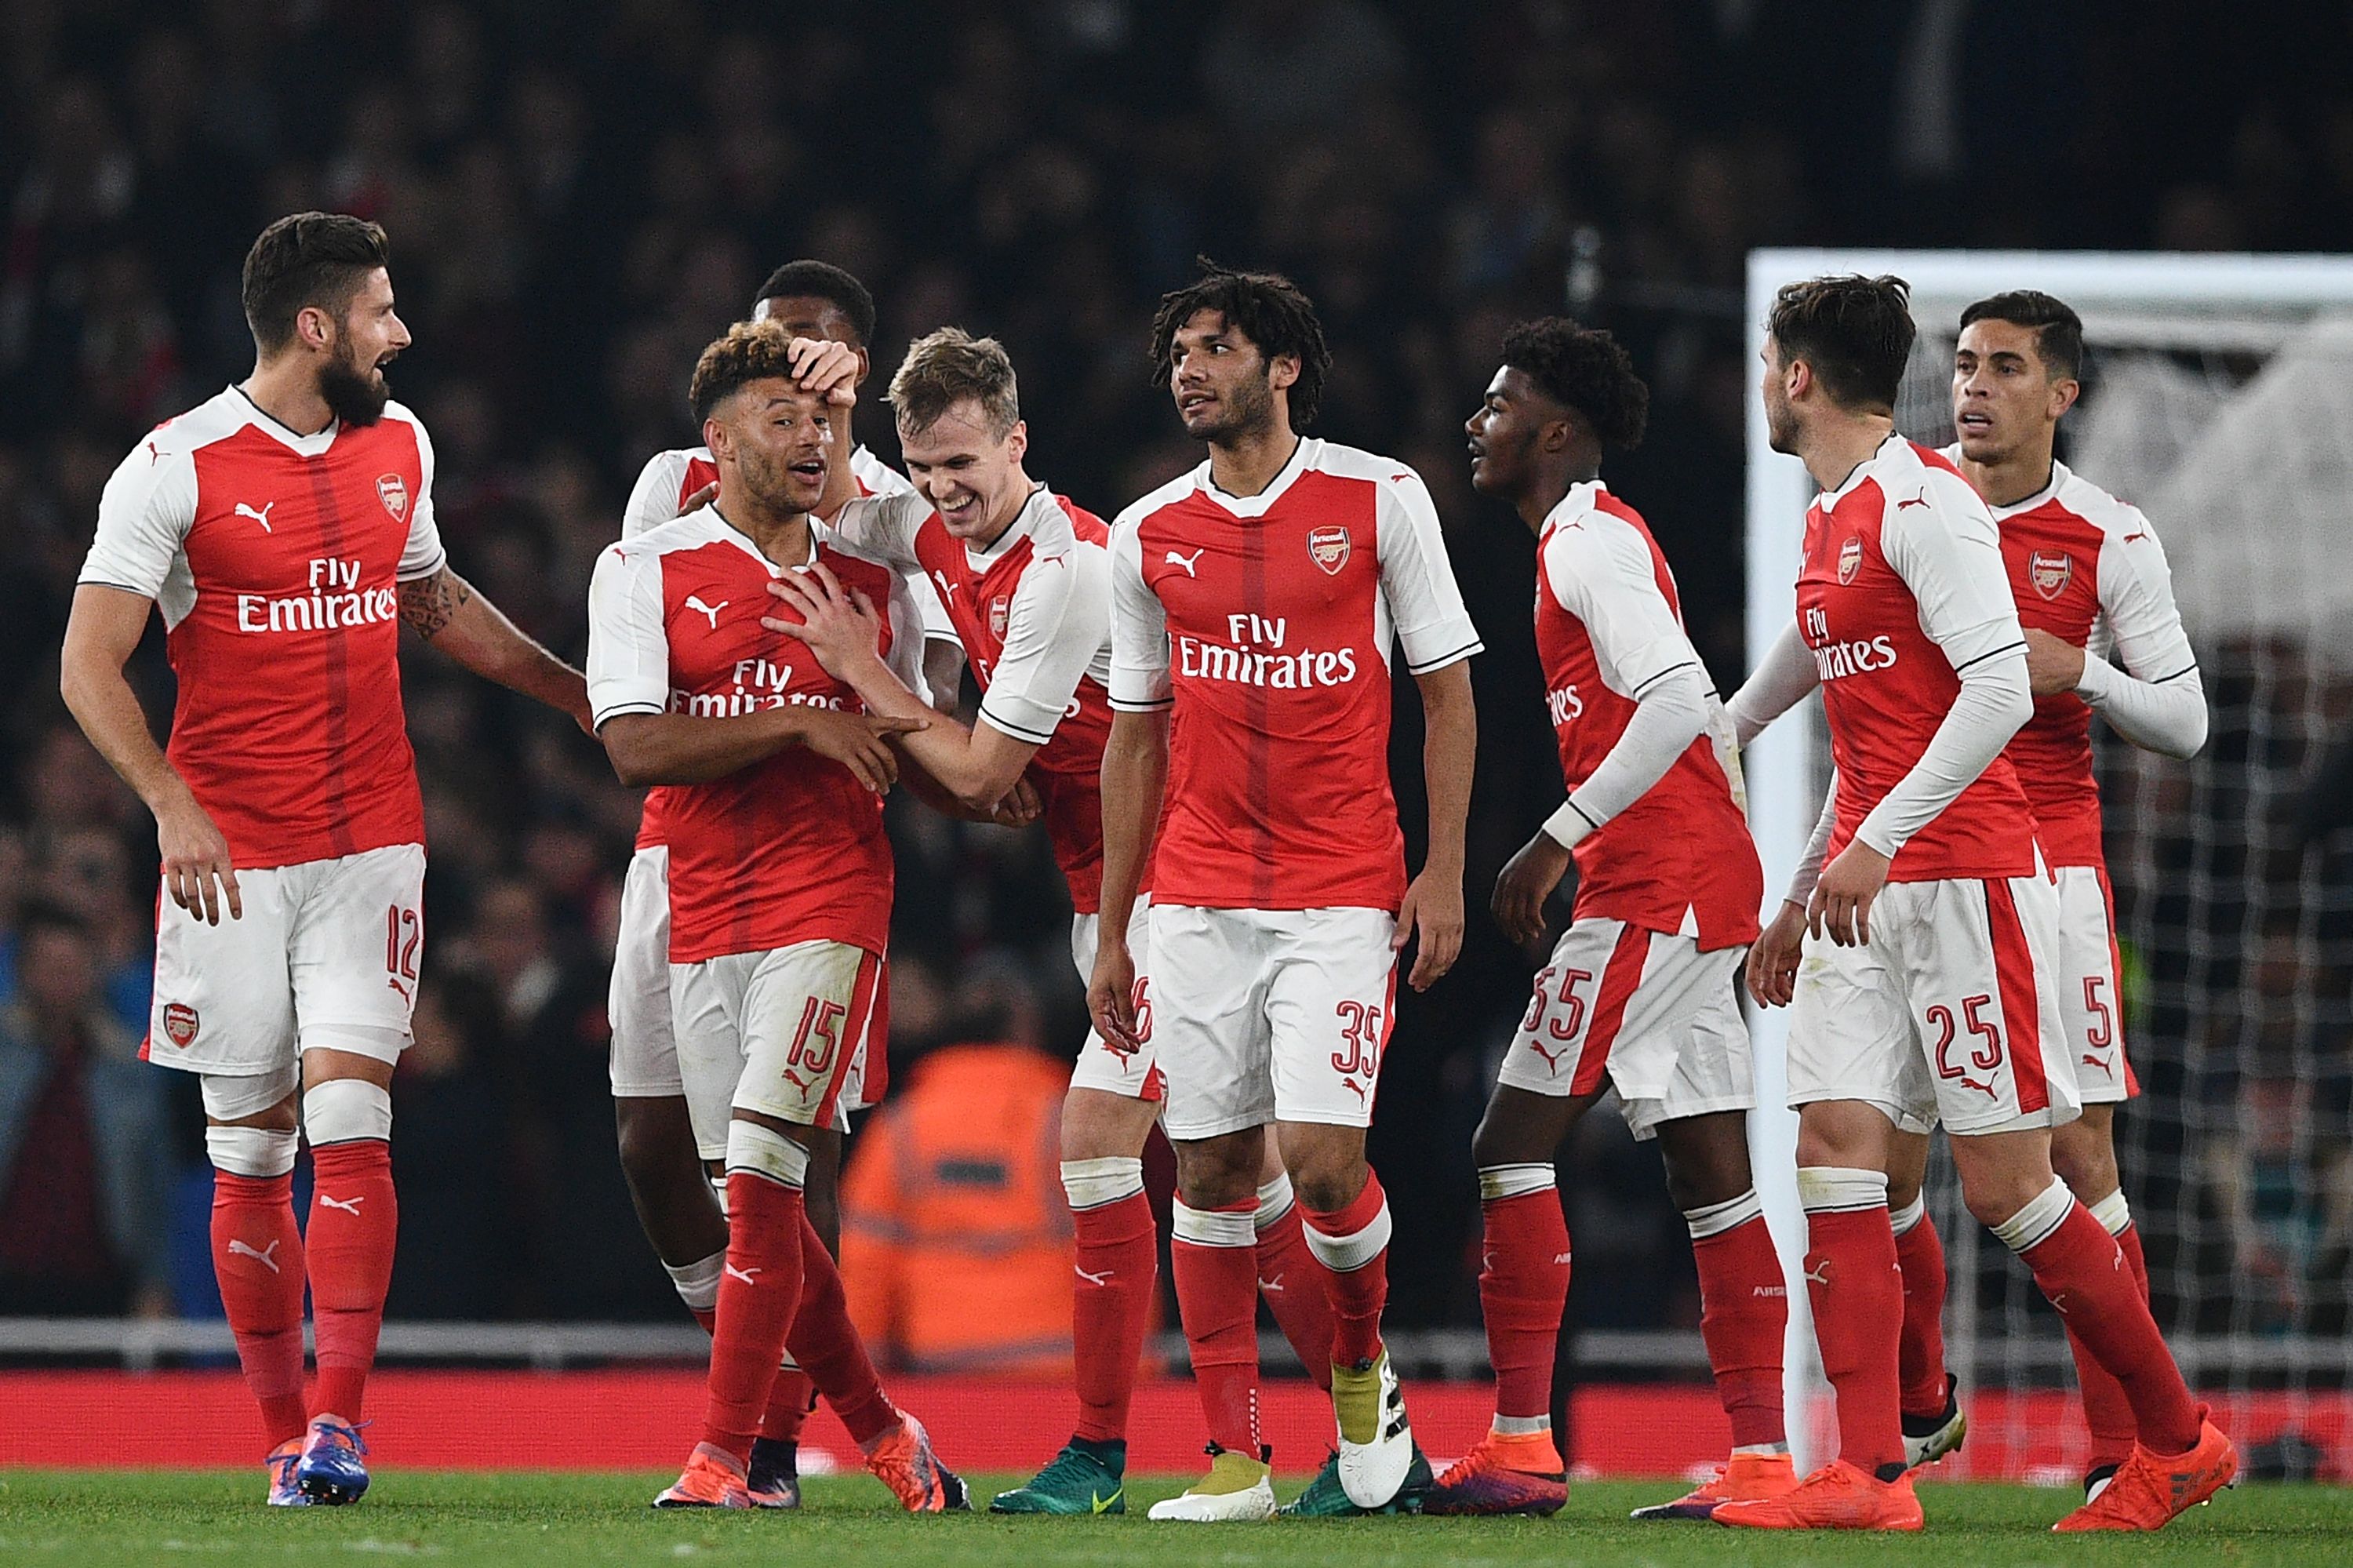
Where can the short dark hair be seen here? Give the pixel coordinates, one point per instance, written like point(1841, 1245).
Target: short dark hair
point(945, 368)
point(1586, 369)
point(749, 351)
point(1856, 333)
point(823, 281)
point(1267, 308)
point(2058, 330)
point(303, 260)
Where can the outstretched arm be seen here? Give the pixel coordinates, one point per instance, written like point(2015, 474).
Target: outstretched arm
point(447, 612)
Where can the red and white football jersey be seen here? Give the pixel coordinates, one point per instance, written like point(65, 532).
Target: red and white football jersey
point(791, 848)
point(1609, 626)
point(2088, 569)
point(1902, 586)
point(275, 558)
point(1263, 622)
point(1033, 613)
point(663, 486)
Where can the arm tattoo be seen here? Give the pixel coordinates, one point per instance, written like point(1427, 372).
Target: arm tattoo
point(428, 604)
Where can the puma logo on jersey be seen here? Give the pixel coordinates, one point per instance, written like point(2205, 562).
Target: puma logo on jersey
point(1984, 1089)
point(1103, 1278)
point(694, 602)
point(348, 1206)
point(2099, 1062)
point(1552, 1058)
point(1819, 1274)
point(1354, 1087)
point(401, 989)
point(947, 588)
point(743, 1274)
point(1187, 562)
point(1271, 1287)
point(261, 516)
point(1919, 499)
point(266, 1256)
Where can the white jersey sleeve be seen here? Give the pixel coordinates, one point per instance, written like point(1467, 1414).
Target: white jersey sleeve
point(1139, 628)
point(2157, 700)
point(1054, 633)
point(1948, 554)
point(1787, 676)
point(905, 659)
point(653, 500)
point(143, 518)
point(882, 528)
point(628, 648)
point(1417, 584)
point(422, 554)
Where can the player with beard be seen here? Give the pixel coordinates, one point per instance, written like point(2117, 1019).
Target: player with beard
point(1254, 605)
point(2089, 578)
point(662, 1157)
point(1640, 991)
point(1026, 577)
point(285, 529)
point(1926, 992)
point(780, 886)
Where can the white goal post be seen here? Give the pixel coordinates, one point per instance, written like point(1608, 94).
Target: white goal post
point(2283, 570)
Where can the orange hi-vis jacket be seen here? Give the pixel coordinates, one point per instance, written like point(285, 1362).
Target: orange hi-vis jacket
point(956, 1238)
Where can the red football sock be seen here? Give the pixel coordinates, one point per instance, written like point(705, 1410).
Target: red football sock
point(257, 1258)
point(1213, 1259)
point(1111, 1304)
point(832, 1357)
point(354, 1223)
point(2081, 1268)
point(1745, 1319)
point(1523, 1291)
point(759, 1291)
point(2106, 1412)
point(1858, 1301)
point(1920, 1253)
point(1297, 1293)
point(1352, 1243)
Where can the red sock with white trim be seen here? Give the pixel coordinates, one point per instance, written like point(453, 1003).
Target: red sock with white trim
point(1214, 1260)
point(1744, 1317)
point(2081, 1269)
point(1111, 1288)
point(1352, 1243)
point(1920, 1253)
point(1523, 1289)
point(1858, 1300)
point(347, 1251)
point(1291, 1280)
point(2108, 1413)
point(760, 1289)
point(832, 1357)
point(257, 1259)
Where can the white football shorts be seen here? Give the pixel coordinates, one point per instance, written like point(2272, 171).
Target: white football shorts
point(784, 1032)
point(644, 1059)
point(1949, 1011)
point(2091, 1006)
point(1262, 1015)
point(326, 956)
point(1131, 1073)
point(1649, 1011)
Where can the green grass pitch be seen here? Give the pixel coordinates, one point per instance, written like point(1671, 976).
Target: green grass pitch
point(90, 1519)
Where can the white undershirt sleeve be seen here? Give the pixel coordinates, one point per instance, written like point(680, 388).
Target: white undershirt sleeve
point(1809, 864)
point(1786, 677)
point(2157, 700)
point(1139, 629)
point(1949, 555)
point(905, 657)
point(1671, 714)
point(628, 648)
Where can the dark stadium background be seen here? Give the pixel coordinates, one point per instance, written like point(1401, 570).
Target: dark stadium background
point(580, 197)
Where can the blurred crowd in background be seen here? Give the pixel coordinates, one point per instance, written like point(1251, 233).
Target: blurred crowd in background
point(579, 197)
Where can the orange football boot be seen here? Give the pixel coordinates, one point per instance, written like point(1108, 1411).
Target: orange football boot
point(2150, 1491)
point(1839, 1496)
point(902, 1460)
point(1520, 1472)
point(1744, 1477)
point(712, 1479)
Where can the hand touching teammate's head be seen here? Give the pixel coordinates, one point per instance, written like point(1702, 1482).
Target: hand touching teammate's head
point(1240, 351)
point(319, 284)
point(817, 299)
point(770, 436)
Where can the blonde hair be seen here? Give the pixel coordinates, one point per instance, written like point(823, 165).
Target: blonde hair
point(944, 368)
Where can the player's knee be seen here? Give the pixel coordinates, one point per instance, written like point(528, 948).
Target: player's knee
point(1706, 1158)
point(1219, 1172)
point(2089, 1170)
point(346, 1110)
point(260, 1152)
point(260, 1101)
point(652, 1149)
point(1327, 1175)
point(1100, 1126)
point(1995, 1195)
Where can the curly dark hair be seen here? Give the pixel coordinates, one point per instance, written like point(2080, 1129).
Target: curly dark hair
point(751, 351)
point(1267, 308)
point(1856, 333)
point(1586, 369)
point(823, 281)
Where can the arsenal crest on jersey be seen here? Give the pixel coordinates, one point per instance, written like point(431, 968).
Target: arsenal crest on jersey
point(180, 1024)
point(2049, 571)
point(1849, 559)
point(997, 611)
point(393, 490)
point(1328, 548)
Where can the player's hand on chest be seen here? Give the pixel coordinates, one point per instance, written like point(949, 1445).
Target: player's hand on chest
point(718, 646)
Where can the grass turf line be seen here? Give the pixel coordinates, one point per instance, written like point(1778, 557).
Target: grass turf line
point(100, 1518)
